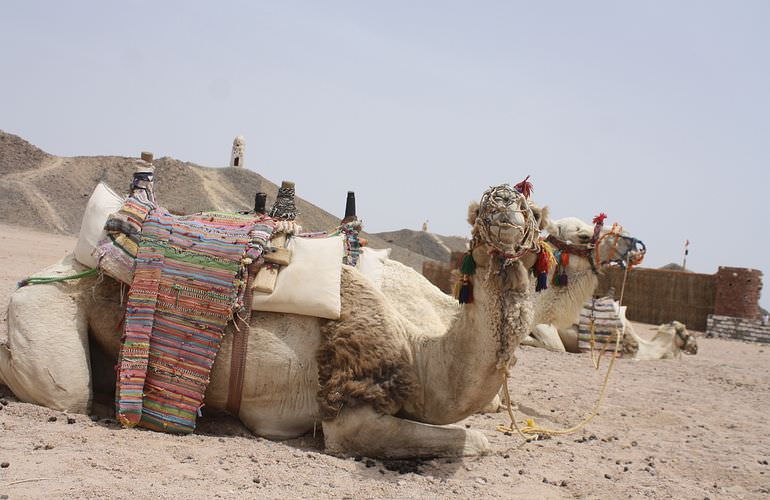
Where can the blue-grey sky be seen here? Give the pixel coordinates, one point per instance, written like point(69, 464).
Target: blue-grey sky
point(656, 112)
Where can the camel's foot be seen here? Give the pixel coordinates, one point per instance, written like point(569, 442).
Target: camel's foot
point(364, 432)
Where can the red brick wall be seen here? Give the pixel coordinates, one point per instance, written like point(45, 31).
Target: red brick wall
point(737, 292)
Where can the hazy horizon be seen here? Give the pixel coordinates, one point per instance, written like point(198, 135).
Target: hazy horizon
point(656, 113)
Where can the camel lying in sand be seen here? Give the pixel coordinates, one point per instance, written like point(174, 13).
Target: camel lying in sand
point(669, 342)
point(558, 307)
point(379, 386)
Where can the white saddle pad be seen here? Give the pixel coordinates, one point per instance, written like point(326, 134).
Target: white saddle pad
point(310, 284)
point(102, 203)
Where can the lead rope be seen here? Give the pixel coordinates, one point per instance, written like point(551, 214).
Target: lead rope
point(531, 427)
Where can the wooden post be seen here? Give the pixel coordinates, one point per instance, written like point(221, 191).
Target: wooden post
point(350, 208)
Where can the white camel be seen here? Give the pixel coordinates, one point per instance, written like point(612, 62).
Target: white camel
point(377, 384)
point(669, 342)
point(558, 307)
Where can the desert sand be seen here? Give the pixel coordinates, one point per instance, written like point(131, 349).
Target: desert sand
point(690, 428)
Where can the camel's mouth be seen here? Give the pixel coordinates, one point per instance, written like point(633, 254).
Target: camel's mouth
point(508, 235)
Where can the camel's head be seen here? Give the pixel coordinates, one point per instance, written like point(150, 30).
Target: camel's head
point(616, 246)
point(504, 223)
point(571, 230)
point(684, 340)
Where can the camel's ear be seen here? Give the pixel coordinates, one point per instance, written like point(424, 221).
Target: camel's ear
point(473, 212)
point(541, 215)
point(552, 228)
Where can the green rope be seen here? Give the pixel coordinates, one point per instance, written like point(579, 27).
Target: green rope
point(41, 280)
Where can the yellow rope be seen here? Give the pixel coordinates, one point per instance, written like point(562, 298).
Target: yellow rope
point(531, 426)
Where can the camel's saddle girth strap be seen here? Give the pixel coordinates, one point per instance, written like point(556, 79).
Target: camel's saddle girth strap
point(240, 330)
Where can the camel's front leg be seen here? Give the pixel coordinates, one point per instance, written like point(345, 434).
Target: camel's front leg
point(364, 432)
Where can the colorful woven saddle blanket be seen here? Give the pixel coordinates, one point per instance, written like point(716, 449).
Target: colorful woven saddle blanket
point(600, 325)
point(189, 279)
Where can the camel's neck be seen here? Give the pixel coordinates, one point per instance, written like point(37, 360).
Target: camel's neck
point(560, 305)
point(462, 370)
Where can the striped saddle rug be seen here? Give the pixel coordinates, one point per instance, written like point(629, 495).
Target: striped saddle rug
point(607, 322)
point(189, 279)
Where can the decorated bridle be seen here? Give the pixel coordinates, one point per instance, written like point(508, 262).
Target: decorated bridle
point(495, 205)
point(631, 256)
point(499, 201)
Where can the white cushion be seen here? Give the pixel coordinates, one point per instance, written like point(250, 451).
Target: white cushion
point(310, 284)
point(372, 264)
point(103, 203)
point(45, 359)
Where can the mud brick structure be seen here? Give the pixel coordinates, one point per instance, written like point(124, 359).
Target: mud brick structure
point(737, 292)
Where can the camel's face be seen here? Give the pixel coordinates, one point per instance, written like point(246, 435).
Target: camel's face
point(572, 230)
point(504, 221)
point(619, 247)
point(684, 339)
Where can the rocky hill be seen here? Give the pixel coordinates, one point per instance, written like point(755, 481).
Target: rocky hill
point(49, 193)
point(431, 245)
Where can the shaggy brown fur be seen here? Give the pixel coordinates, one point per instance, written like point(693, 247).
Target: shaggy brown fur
point(361, 360)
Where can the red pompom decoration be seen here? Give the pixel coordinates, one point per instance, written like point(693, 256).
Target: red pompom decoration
point(524, 187)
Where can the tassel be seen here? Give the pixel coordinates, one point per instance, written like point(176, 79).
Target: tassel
point(541, 268)
point(560, 276)
point(466, 292)
point(598, 223)
point(524, 187)
point(468, 266)
point(599, 219)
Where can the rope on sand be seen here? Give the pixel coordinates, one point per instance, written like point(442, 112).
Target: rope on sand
point(531, 427)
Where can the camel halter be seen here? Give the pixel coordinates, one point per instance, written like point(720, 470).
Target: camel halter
point(498, 201)
point(631, 256)
point(494, 209)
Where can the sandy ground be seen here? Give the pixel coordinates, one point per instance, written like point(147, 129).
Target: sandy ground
point(694, 428)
